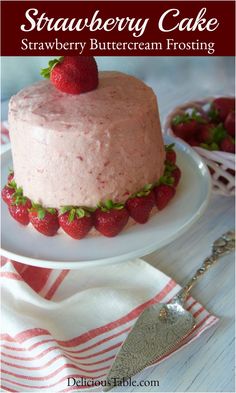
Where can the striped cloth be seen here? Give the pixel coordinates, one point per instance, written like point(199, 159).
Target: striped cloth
point(58, 324)
point(4, 133)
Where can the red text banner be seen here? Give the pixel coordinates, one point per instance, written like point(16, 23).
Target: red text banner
point(118, 28)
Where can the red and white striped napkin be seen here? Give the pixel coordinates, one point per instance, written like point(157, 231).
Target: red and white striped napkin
point(58, 324)
point(4, 133)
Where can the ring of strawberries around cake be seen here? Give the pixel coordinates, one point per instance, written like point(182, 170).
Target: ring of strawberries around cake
point(108, 218)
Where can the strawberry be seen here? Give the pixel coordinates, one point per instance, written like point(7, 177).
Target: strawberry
point(75, 221)
point(170, 154)
point(210, 135)
point(176, 174)
point(206, 133)
point(110, 218)
point(230, 124)
point(44, 220)
point(140, 205)
point(228, 145)
point(163, 194)
point(193, 141)
point(211, 146)
point(10, 176)
point(223, 106)
point(73, 74)
point(8, 191)
point(19, 209)
point(171, 176)
point(185, 130)
point(186, 125)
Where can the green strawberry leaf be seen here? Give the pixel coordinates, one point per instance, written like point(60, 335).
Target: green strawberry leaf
point(118, 206)
point(46, 72)
point(108, 204)
point(219, 133)
point(214, 146)
point(41, 213)
point(180, 119)
point(169, 166)
point(12, 184)
point(19, 199)
point(80, 212)
point(169, 180)
point(65, 209)
point(205, 146)
point(19, 191)
point(71, 215)
point(36, 206)
point(186, 117)
point(101, 207)
point(141, 194)
point(51, 210)
point(169, 147)
point(213, 114)
point(147, 187)
point(196, 116)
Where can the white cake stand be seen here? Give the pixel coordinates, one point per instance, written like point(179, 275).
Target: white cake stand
point(26, 245)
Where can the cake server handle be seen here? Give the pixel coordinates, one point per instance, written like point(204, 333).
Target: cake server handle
point(222, 246)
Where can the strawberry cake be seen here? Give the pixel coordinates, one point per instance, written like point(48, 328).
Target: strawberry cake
point(85, 152)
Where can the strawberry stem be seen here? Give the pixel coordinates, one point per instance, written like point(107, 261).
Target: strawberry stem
point(19, 199)
point(109, 204)
point(169, 180)
point(12, 184)
point(80, 212)
point(169, 147)
point(46, 72)
point(213, 114)
point(71, 215)
point(41, 211)
point(186, 117)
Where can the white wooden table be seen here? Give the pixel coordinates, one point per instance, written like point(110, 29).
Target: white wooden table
point(207, 365)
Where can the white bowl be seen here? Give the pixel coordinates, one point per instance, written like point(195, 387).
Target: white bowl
point(223, 182)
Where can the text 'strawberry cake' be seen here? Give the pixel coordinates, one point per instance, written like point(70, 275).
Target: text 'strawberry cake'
point(88, 152)
point(86, 148)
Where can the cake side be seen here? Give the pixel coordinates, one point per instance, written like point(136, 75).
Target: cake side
point(79, 150)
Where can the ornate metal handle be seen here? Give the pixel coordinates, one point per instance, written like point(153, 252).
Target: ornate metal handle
point(222, 246)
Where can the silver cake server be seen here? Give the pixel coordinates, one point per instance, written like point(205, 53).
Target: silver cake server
point(161, 327)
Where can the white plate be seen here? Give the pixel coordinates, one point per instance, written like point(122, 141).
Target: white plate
point(62, 252)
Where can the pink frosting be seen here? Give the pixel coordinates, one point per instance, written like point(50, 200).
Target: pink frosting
point(82, 149)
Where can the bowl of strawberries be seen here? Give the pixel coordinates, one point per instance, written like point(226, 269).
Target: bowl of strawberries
point(208, 126)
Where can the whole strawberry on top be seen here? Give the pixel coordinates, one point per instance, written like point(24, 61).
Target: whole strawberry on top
point(72, 74)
